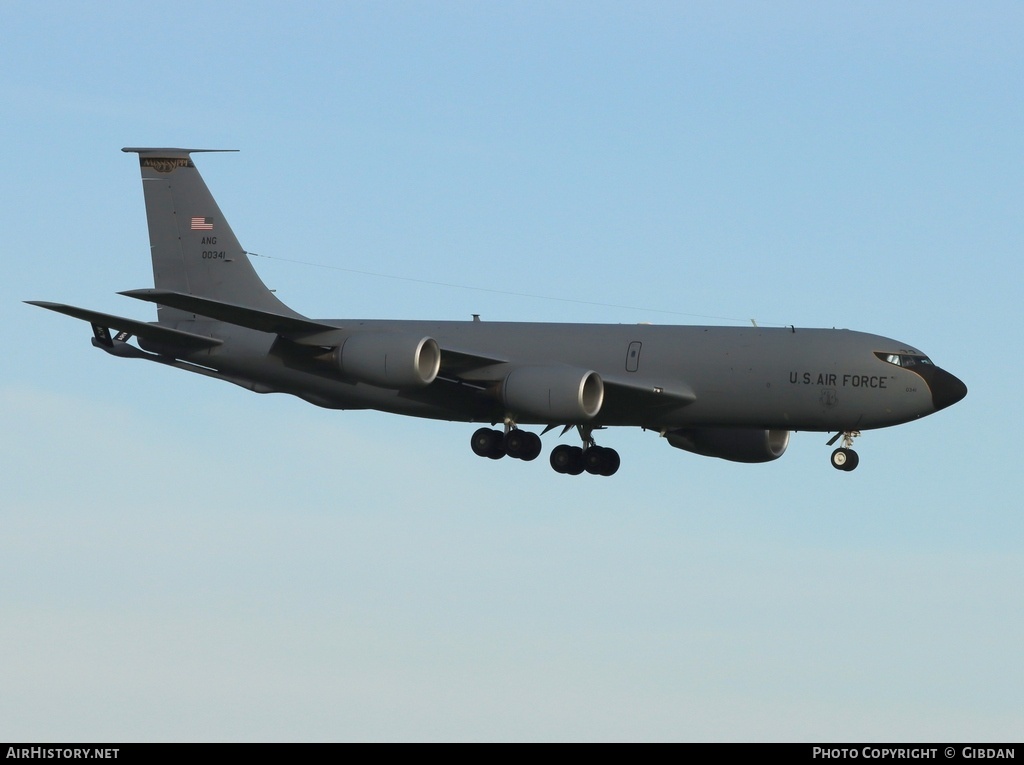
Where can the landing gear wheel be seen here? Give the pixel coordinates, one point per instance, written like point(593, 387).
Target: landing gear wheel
point(567, 459)
point(852, 461)
point(482, 442)
point(515, 443)
point(845, 459)
point(561, 458)
point(610, 463)
point(599, 460)
point(488, 443)
point(596, 460)
point(498, 446)
point(593, 458)
point(522, 444)
point(576, 461)
point(532, 447)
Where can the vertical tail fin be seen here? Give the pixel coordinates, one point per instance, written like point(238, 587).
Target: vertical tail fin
point(194, 249)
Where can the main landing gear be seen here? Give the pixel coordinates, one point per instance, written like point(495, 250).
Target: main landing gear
point(526, 446)
point(845, 458)
point(594, 459)
point(573, 460)
point(518, 444)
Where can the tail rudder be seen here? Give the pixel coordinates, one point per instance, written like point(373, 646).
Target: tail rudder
point(194, 250)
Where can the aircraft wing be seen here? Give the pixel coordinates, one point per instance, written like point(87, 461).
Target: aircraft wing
point(622, 395)
point(290, 327)
point(141, 329)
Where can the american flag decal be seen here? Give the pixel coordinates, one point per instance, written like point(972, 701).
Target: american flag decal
point(202, 224)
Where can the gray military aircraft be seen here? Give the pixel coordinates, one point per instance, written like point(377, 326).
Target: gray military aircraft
point(729, 392)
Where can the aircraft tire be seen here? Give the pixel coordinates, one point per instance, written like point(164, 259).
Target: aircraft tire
point(481, 442)
point(497, 445)
point(845, 459)
point(522, 445)
point(488, 443)
point(516, 442)
point(532, 447)
point(593, 459)
point(598, 460)
point(576, 465)
point(560, 458)
point(610, 463)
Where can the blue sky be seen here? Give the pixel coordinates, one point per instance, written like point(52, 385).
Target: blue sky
point(183, 560)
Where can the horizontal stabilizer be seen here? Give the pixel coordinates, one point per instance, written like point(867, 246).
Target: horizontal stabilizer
point(153, 150)
point(252, 318)
point(141, 329)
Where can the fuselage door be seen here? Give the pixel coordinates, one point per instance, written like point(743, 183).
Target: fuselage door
point(633, 356)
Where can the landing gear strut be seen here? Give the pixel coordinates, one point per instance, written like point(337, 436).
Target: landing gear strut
point(845, 458)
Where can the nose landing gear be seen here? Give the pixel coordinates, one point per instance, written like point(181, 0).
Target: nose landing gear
point(845, 458)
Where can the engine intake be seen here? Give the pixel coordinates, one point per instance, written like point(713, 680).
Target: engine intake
point(735, 444)
point(389, 360)
point(553, 394)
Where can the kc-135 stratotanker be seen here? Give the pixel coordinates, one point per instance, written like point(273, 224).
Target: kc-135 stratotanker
point(730, 392)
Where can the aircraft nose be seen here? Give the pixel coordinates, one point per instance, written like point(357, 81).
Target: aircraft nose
point(946, 389)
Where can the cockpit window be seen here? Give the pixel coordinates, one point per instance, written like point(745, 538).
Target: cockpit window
point(906, 360)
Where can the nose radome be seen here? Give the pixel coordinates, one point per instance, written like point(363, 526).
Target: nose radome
point(946, 389)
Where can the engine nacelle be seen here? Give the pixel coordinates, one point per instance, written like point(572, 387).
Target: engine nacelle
point(554, 394)
point(389, 360)
point(735, 444)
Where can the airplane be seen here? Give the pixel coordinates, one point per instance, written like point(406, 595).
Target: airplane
point(735, 393)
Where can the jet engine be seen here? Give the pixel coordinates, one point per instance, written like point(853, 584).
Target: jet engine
point(553, 394)
point(735, 444)
point(389, 360)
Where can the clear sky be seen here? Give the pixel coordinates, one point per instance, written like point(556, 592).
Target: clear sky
point(183, 560)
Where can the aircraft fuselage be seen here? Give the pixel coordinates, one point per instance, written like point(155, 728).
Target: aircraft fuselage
point(783, 378)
